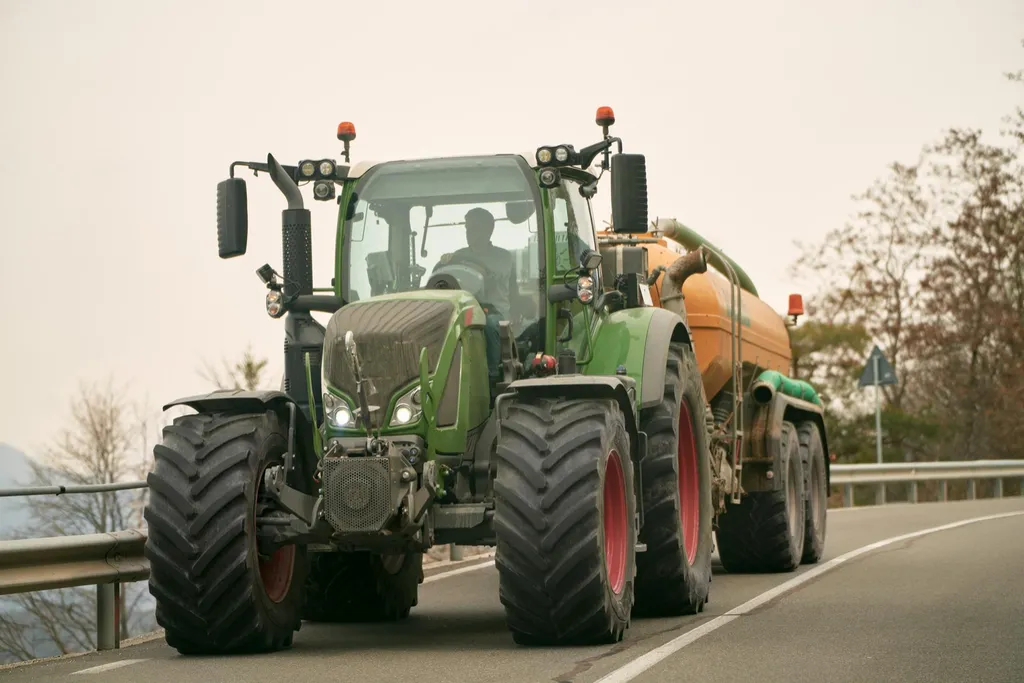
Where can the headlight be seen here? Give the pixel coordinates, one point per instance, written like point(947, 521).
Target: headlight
point(543, 156)
point(308, 168)
point(327, 168)
point(585, 289)
point(407, 409)
point(338, 413)
point(561, 154)
point(274, 303)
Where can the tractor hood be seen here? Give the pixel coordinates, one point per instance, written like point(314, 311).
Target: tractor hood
point(390, 332)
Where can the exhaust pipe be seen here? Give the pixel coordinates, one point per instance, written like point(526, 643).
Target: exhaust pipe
point(296, 234)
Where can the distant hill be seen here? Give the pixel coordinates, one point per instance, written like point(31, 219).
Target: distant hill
point(15, 470)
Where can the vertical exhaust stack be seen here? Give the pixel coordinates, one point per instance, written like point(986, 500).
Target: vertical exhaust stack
point(296, 234)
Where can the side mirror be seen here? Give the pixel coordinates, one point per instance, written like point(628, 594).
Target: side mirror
point(232, 218)
point(629, 194)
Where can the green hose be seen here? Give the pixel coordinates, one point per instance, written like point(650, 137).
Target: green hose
point(770, 381)
point(676, 231)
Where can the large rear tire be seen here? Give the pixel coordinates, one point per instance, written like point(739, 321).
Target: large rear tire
point(362, 586)
point(674, 574)
point(765, 532)
point(812, 454)
point(564, 519)
point(214, 593)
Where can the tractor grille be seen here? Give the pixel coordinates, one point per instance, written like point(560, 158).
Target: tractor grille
point(357, 493)
point(389, 336)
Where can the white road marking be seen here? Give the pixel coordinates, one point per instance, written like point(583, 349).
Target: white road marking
point(109, 667)
point(644, 662)
point(460, 570)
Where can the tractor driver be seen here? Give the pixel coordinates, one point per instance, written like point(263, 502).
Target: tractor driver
point(499, 280)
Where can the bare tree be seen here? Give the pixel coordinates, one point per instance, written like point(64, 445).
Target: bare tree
point(246, 373)
point(106, 442)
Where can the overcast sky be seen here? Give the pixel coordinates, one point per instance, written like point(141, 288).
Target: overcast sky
point(759, 121)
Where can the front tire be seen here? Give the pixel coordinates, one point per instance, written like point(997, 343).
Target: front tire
point(765, 532)
point(564, 519)
point(674, 574)
point(362, 586)
point(214, 593)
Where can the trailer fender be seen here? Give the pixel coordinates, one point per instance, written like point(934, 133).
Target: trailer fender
point(665, 327)
point(766, 436)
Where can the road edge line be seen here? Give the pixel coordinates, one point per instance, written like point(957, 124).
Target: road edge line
point(629, 671)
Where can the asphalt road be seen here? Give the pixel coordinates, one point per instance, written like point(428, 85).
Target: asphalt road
point(943, 606)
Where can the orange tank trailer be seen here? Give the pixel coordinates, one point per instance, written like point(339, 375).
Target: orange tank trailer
point(707, 295)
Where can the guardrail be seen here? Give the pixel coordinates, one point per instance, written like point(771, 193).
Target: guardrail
point(914, 473)
point(105, 560)
point(109, 559)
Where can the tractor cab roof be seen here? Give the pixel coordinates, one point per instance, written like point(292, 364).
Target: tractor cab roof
point(361, 168)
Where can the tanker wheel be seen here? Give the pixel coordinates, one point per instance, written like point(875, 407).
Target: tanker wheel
point(765, 532)
point(674, 573)
point(215, 594)
point(362, 586)
point(812, 454)
point(564, 521)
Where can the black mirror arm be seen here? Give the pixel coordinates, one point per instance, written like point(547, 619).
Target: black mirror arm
point(256, 167)
point(589, 153)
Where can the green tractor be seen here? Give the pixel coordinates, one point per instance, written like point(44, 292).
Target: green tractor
point(480, 381)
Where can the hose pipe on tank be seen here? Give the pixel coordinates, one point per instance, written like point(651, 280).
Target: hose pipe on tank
point(768, 382)
point(677, 232)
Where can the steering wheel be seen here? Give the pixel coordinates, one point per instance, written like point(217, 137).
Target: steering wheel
point(449, 281)
point(466, 258)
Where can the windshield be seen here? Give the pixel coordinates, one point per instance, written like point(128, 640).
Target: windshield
point(473, 219)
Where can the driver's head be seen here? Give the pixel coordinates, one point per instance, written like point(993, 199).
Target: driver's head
point(479, 227)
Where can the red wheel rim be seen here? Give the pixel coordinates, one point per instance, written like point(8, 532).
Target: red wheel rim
point(689, 485)
point(276, 571)
point(615, 522)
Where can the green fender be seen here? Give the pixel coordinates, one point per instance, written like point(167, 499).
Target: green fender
point(258, 401)
point(638, 340)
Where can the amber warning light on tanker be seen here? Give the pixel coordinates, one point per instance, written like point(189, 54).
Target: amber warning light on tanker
point(796, 306)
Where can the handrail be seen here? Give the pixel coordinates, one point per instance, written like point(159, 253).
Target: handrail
point(61, 490)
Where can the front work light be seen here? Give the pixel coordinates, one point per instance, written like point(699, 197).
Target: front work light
point(549, 177)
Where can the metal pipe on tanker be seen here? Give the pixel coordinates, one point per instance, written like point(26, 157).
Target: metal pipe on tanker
point(675, 275)
point(677, 232)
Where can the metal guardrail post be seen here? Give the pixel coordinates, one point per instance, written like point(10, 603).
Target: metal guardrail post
point(848, 495)
point(454, 552)
point(998, 485)
point(943, 491)
point(106, 624)
point(970, 489)
point(880, 494)
point(912, 496)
